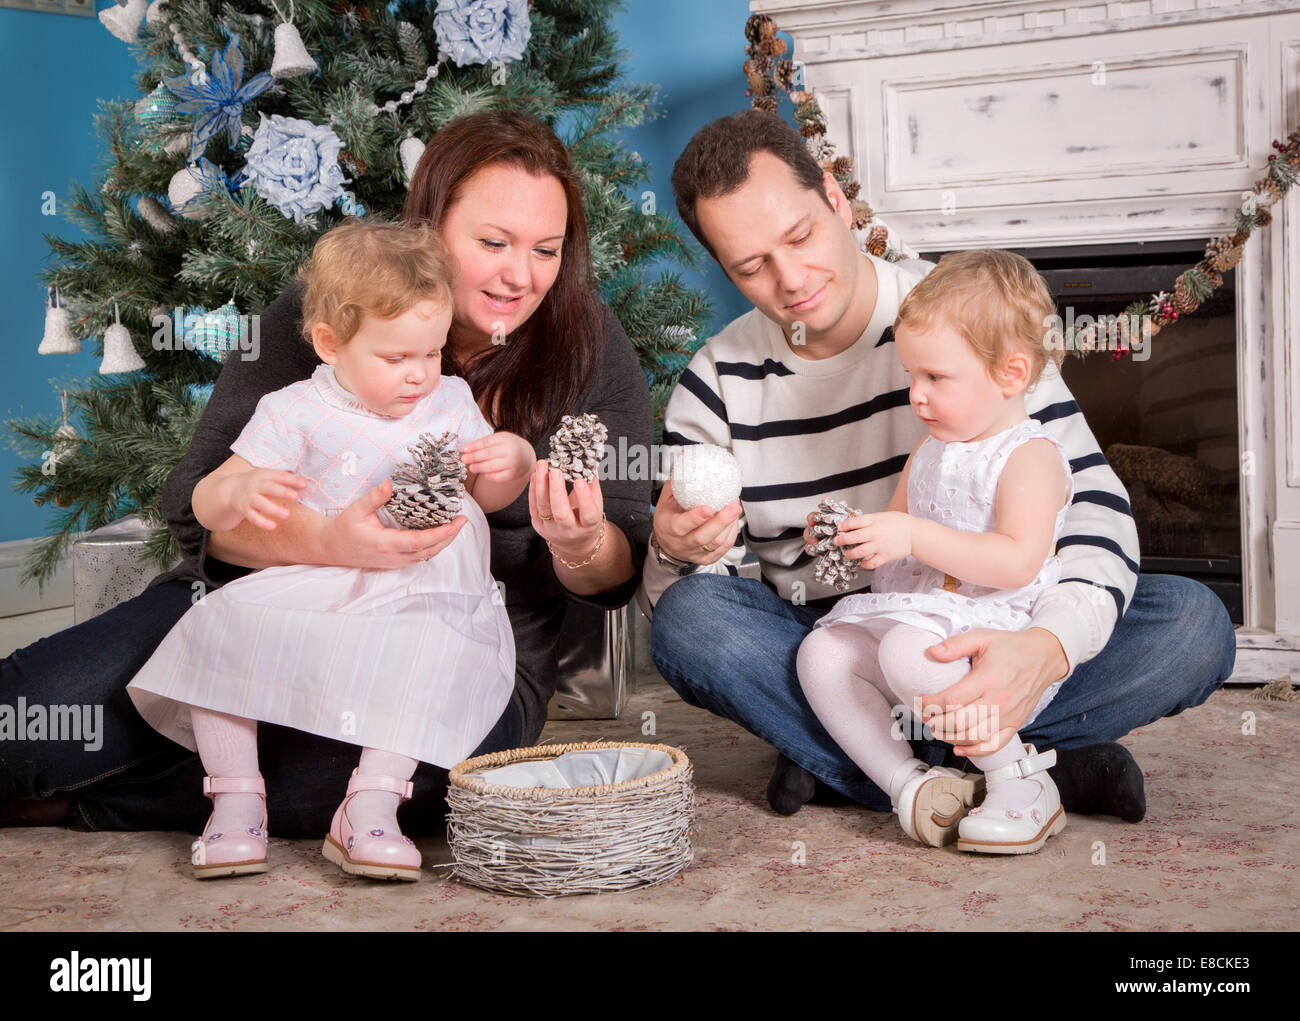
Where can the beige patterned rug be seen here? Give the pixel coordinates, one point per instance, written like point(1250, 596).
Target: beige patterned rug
point(1219, 849)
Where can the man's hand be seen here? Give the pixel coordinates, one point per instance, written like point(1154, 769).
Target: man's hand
point(357, 538)
point(696, 536)
point(1010, 671)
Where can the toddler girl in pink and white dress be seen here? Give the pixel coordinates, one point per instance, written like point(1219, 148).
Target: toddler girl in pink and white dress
point(968, 541)
point(412, 664)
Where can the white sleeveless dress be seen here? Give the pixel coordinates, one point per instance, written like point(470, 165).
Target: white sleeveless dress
point(956, 485)
point(418, 660)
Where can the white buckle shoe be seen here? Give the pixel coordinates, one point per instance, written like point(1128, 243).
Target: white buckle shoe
point(1015, 831)
point(932, 804)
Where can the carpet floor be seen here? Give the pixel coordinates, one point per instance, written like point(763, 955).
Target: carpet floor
point(1218, 850)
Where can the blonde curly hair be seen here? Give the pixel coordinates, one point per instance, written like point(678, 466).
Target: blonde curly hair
point(996, 300)
point(372, 266)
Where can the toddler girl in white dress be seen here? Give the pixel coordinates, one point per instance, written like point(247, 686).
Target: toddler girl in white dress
point(414, 663)
point(968, 541)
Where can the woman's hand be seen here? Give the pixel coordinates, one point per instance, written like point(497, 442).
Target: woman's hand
point(253, 494)
point(874, 539)
point(570, 522)
point(357, 538)
point(501, 457)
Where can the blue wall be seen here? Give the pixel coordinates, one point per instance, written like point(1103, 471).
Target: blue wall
point(54, 68)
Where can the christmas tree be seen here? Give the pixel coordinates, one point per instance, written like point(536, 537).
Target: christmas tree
point(190, 232)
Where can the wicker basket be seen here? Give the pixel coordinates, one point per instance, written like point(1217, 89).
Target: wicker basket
point(550, 842)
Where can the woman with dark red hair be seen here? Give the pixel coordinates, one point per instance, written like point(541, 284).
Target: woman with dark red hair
point(534, 343)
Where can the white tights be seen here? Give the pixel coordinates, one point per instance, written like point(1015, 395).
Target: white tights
point(228, 747)
point(852, 680)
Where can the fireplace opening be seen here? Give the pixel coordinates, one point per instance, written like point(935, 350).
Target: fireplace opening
point(1165, 417)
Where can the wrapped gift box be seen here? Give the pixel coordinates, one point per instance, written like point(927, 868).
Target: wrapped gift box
point(107, 566)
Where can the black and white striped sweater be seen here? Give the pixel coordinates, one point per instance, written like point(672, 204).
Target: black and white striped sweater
point(842, 427)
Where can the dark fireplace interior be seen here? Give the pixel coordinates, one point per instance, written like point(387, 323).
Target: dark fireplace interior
point(1166, 424)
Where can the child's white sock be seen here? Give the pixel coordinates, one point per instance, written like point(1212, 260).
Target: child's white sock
point(1016, 793)
point(377, 810)
point(228, 748)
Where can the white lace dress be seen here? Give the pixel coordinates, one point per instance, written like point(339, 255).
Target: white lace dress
point(418, 660)
point(956, 485)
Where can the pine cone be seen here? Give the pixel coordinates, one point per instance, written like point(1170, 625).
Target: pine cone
point(785, 75)
point(812, 129)
point(878, 240)
point(759, 27)
point(851, 190)
point(577, 446)
point(831, 567)
point(1222, 254)
point(765, 103)
point(427, 492)
point(759, 86)
point(1263, 217)
point(1184, 303)
point(1213, 278)
point(862, 213)
point(354, 164)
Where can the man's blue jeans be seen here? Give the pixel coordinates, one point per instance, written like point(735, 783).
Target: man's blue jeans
point(729, 645)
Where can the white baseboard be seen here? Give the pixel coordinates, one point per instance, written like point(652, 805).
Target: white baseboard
point(16, 598)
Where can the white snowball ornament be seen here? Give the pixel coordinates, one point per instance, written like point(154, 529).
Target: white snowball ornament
point(705, 475)
point(185, 191)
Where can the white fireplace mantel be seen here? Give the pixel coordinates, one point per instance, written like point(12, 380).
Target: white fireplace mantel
point(1038, 123)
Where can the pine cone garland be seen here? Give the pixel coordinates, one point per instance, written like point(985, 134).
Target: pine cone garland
point(427, 492)
point(577, 446)
point(831, 567)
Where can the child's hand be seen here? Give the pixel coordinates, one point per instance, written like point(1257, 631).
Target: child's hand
point(501, 457)
point(876, 539)
point(251, 493)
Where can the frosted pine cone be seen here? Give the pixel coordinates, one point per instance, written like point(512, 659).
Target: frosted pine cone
point(427, 492)
point(831, 567)
point(577, 446)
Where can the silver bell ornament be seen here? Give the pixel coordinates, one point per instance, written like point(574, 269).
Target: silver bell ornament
point(119, 352)
point(410, 151)
point(66, 437)
point(156, 17)
point(59, 338)
point(124, 21)
point(291, 56)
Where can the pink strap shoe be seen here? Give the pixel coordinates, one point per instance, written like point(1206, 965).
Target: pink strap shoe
point(234, 853)
point(374, 853)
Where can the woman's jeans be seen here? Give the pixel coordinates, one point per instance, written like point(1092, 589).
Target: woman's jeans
point(729, 645)
point(136, 779)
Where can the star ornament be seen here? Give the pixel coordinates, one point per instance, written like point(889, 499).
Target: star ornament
point(217, 98)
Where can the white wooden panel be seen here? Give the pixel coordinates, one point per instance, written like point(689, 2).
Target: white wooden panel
point(1073, 121)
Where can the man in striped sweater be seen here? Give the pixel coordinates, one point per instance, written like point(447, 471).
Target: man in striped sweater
point(808, 393)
